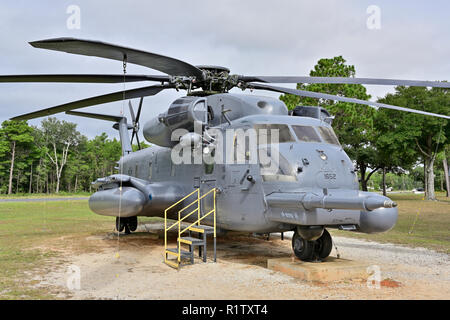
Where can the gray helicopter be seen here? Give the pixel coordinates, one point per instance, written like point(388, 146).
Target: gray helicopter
point(309, 183)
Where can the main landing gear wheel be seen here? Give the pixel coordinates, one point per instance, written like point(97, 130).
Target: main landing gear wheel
point(323, 245)
point(120, 224)
point(128, 224)
point(312, 250)
point(303, 249)
point(132, 223)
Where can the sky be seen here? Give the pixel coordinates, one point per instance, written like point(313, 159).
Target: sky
point(250, 37)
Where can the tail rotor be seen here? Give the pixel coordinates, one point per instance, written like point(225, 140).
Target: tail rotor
point(135, 120)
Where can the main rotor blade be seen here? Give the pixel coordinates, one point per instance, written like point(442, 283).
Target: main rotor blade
point(344, 80)
point(83, 78)
point(111, 97)
point(316, 95)
point(95, 116)
point(155, 61)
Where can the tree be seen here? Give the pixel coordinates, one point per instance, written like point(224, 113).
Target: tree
point(353, 123)
point(16, 139)
point(393, 148)
point(424, 135)
point(446, 171)
point(60, 136)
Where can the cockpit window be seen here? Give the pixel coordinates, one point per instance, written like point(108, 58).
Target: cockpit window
point(328, 135)
point(306, 134)
point(265, 133)
point(275, 167)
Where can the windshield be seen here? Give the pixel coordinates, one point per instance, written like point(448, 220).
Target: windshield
point(306, 134)
point(328, 135)
point(267, 132)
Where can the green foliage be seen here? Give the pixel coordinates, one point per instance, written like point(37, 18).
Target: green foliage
point(407, 137)
point(16, 137)
point(37, 149)
point(427, 134)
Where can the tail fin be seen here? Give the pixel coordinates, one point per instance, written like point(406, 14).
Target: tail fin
point(120, 124)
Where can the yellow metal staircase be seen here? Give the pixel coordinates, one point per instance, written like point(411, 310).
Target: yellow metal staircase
point(195, 227)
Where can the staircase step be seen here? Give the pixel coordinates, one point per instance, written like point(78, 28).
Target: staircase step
point(191, 240)
point(174, 251)
point(202, 229)
point(172, 264)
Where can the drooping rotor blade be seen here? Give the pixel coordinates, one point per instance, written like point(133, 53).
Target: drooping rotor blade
point(111, 97)
point(95, 116)
point(83, 78)
point(155, 61)
point(344, 80)
point(316, 95)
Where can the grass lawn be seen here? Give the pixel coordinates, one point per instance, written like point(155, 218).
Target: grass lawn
point(27, 229)
point(420, 223)
point(44, 195)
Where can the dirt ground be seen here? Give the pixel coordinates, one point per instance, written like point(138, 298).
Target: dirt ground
point(131, 267)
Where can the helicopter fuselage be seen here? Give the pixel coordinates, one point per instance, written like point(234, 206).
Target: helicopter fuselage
point(314, 182)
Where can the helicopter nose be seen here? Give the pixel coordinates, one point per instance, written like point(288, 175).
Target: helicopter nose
point(378, 220)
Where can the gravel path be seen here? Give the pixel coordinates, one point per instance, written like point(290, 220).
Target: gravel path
point(240, 272)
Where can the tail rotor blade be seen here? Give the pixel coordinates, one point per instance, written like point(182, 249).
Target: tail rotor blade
point(137, 139)
point(133, 118)
point(139, 110)
point(132, 137)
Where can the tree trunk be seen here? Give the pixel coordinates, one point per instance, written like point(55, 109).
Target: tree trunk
point(384, 182)
point(31, 179)
point(362, 170)
point(430, 195)
point(11, 169)
point(76, 182)
point(447, 178)
point(425, 183)
point(17, 182)
point(57, 183)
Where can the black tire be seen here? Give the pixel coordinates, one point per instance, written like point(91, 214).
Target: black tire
point(120, 224)
point(132, 223)
point(323, 245)
point(303, 249)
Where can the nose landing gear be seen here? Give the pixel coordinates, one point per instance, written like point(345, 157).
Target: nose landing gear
point(315, 250)
point(128, 224)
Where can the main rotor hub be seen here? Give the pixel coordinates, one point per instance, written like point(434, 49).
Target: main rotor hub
point(214, 69)
point(216, 79)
